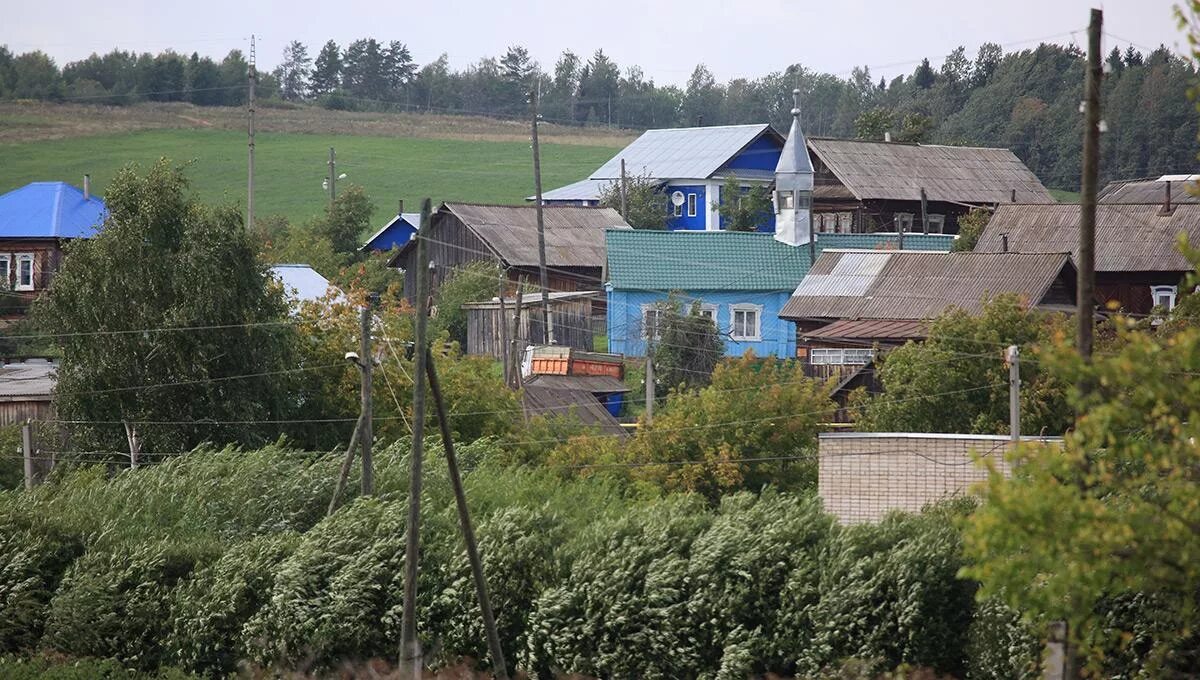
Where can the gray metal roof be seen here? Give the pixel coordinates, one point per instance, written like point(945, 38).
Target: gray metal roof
point(1148, 191)
point(29, 380)
point(583, 190)
point(1129, 237)
point(596, 384)
point(682, 153)
point(574, 234)
point(895, 171)
point(794, 158)
point(917, 285)
point(549, 401)
point(535, 299)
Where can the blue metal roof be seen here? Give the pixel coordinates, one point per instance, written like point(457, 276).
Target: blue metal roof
point(50, 210)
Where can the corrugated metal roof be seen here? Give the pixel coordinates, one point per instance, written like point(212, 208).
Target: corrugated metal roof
point(538, 400)
point(534, 299)
point(301, 282)
point(574, 234)
point(596, 384)
point(412, 219)
point(870, 329)
point(32, 379)
point(583, 190)
point(919, 285)
point(1148, 191)
point(50, 210)
point(890, 170)
point(1129, 238)
point(682, 153)
point(729, 260)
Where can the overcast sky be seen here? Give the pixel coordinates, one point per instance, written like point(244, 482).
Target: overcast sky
point(667, 38)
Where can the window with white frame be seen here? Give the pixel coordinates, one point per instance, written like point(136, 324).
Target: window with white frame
point(709, 312)
point(840, 356)
point(937, 224)
point(746, 322)
point(651, 317)
point(845, 222)
point(904, 221)
point(5, 271)
point(1164, 296)
point(691, 201)
point(25, 271)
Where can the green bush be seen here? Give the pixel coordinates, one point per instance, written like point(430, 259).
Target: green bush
point(1000, 646)
point(47, 668)
point(210, 610)
point(32, 563)
point(117, 603)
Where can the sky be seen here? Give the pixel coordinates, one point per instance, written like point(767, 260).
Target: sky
point(667, 38)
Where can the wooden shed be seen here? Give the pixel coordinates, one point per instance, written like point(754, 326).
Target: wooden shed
point(26, 388)
point(570, 318)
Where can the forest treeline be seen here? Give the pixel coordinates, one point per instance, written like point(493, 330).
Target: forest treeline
point(1026, 100)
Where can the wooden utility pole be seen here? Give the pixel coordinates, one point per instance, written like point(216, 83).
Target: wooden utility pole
point(347, 461)
point(332, 177)
point(504, 332)
point(1087, 199)
point(547, 331)
point(1013, 357)
point(410, 647)
point(924, 212)
point(367, 364)
point(624, 193)
point(517, 346)
point(250, 160)
point(650, 381)
point(500, 666)
point(31, 476)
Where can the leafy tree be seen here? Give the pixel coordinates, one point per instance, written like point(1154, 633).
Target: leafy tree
point(293, 72)
point(327, 70)
point(163, 261)
point(473, 282)
point(34, 75)
point(688, 347)
point(645, 203)
point(962, 356)
point(916, 127)
point(987, 59)
point(346, 220)
point(599, 83)
point(398, 67)
point(744, 210)
point(203, 81)
point(234, 70)
point(970, 228)
point(873, 124)
point(702, 101)
point(924, 77)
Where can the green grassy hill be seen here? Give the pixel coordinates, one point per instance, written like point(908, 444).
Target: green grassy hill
point(291, 166)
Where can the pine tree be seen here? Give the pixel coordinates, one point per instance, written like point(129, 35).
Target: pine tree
point(327, 71)
point(293, 72)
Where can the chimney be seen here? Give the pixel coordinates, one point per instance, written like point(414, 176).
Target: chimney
point(1166, 209)
point(1004, 243)
point(400, 207)
point(887, 135)
point(1014, 196)
point(87, 187)
point(700, 120)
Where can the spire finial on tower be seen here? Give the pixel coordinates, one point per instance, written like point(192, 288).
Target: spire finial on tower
point(796, 102)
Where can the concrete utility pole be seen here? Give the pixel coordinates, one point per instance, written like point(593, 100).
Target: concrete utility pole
point(410, 647)
point(366, 434)
point(31, 476)
point(624, 193)
point(1090, 185)
point(332, 177)
point(1013, 357)
point(650, 381)
point(250, 160)
point(500, 666)
point(541, 225)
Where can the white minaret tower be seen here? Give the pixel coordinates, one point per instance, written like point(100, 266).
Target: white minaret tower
point(794, 185)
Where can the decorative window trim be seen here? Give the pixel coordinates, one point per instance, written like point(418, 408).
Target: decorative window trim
point(1172, 293)
point(758, 321)
point(904, 222)
point(692, 200)
point(710, 309)
point(840, 356)
point(937, 223)
point(21, 258)
point(6, 271)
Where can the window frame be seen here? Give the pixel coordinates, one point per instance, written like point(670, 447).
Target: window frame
point(1172, 293)
point(692, 201)
point(903, 221)
point(7, 269)
point(709, 308)
point(743, 308)
point(939, 220)
point(840, 356)
point(785, 200)
point(32, 260)
point(845, 222)
point(647, 311)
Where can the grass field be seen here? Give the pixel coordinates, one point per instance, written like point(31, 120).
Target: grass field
point(393, 156)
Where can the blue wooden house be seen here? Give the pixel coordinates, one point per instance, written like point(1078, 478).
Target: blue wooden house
point(397, 232)
point(691, 165)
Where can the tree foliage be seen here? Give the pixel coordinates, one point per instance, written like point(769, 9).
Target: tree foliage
point(970, 228)
point(645, 202)
point(688, 346)
point(744, 209)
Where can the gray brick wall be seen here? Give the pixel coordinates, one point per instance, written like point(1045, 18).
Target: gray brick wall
point(863, 476)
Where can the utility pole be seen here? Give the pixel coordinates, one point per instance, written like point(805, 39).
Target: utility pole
point(650, 381)
point(500, 666)
point(1012, 357)
point(31, 476)
point(332, 177)
point(517, 348)
point(367, 364)
point(624, 192)
point(541, 225)
point(504, 332)
point(924, 213)
point(250, 160)
point(410, 647)
point(1087, 199)
point(347, 461)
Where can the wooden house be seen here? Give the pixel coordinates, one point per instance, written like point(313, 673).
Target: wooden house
point(854, 303)
point(865, 186)
point(1138, 263)
point(26, 391)
point(570, 318)
point(36, 220)
point(507, 236)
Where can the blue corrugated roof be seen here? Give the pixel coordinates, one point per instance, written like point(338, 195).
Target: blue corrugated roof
point(730, 260)
point(50, 210)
